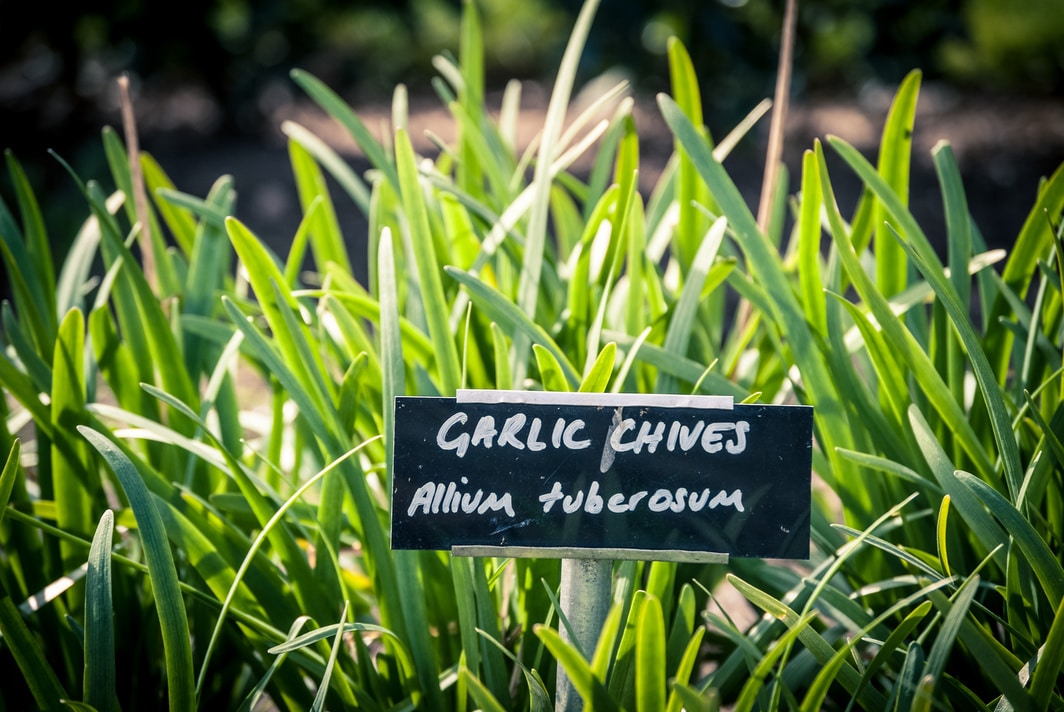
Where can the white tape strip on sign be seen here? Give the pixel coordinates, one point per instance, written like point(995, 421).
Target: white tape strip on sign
point(609, 400)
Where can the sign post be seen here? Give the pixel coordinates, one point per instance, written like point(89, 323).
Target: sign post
point(585, 600)
point(590, 478)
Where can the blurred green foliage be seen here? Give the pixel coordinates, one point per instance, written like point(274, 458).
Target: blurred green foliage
point(1009, 43)
point(56, 63)
point(58, 69)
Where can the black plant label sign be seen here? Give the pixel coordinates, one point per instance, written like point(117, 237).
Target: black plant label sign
point(732, 480)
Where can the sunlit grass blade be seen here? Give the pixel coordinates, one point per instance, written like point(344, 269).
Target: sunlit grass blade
point(918, 560)
point(550, 370)
point(251, 701)
point(604, 164)
point(1043, 561)
point(536, 235)
point(199, 211)
point(116, 289)
point(595, 100)
point(260, 539)
point(576, 667)
point(350, 181)
point(471, 61)
point(278, 306)
point(99, 621)
point(631, 353)
point(409, 607)
point(296, 642)
point(177, 646)
point(585, 262)
point(480, 693)
point(626, 175)
point(603, 658)
point(908, 683)
point(640, 277)
point(76, 268)
point(943, 549)
point(818, 689)
point(210, 257)
point(598, 376)
point(346, 291)
point(694, 701)
point(923, 256)
point(684, 670)
point(685, 311)
point(160, 272)
point(154, 346)
point(683, 620)
point(683, 368)
point(622, 672)
point(391, 345)
point(428, 268)
point(958, 221)
point(981, 524)
point(947, 634)
point(8, 475)
point(998, 665)
point(895, 331)
point(690, 190)
point(75, 483)
point(894, 159)
point(326, 237)
point(849, 677)
point(504, 312)
point(501, 352)
point(650, 658)
point(504, 226)
point(752, 691)
point(180, 222)
point(1033, 241)
point(294, 338)
point(336, 107)
point(765, 267)
point(539, 698)
point(809, 228)
point(892, 384)
point(721, 186)
point(479, 156)
point(1046, 677)
point(330, 664)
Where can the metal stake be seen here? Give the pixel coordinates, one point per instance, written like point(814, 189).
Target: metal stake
point(585, 601)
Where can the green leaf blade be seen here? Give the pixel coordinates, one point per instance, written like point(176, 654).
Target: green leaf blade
point(99, 621)
point(177, 646)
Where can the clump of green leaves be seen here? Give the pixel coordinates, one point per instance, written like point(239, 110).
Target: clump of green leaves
point(198, 455)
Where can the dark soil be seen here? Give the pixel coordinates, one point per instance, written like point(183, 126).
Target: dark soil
point(1004, 146)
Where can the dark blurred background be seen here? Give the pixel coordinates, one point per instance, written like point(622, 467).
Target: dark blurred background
point(209, 75)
